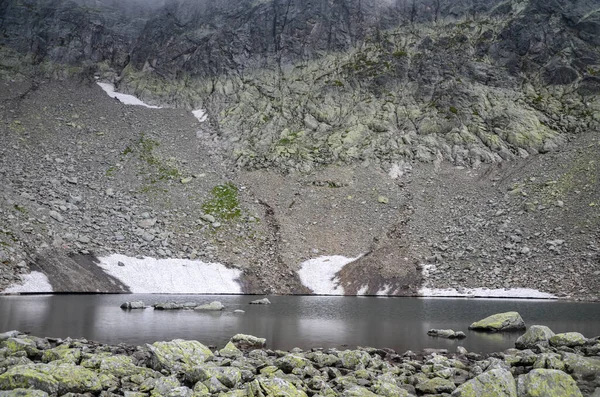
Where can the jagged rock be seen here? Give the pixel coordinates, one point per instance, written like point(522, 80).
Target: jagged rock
point(535, 335)
point(446, 333)
point(495, 382)
point(547, 383)
point(230, 351)
point(509, 321)
point(178, 355)
point(436, 386)
point(263, 301)
point(20, 392)
point(582, 368)
point(52, 379)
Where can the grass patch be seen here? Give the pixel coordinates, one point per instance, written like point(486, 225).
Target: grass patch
point(224, 203)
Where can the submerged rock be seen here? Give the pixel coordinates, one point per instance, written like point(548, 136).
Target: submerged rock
point(446, 333)
point(547, 383)
point(535, 335)
point(263, 301)
point(509, 321)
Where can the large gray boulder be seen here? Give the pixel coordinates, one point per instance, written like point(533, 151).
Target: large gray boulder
point(509, 321)
point(52, 379)
point(212, 306)
point(568, 339)
point(547, 383)
point(178, 355)
point(535, 335)
point(246, 342)
point(496, 382)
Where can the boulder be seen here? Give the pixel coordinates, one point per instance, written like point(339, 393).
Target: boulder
point(273, 387)
point(23, 393)
point(289, 362)
point(583, 368)
point(178, 355)
point(358, 391)
point(229, 377)
point(509, 321)
point(549, 361)
point(53, 379)
point(496, 382)
point(446, 333)
point(354, 359)
point(230, 351)
point(568, 339)
point(547, 383)
point(133, 305)
point(263, 301)
point(246, 342)
point(535, 335)
point(436, 386)
point(212, 306)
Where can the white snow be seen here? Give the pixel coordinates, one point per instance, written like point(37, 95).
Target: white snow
point(125, 98)
point(200, 114)
point(32, 282)
point(318, 274)
point(172, 276)
point(486, 293)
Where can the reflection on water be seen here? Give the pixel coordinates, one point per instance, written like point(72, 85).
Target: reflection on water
point(301, 321)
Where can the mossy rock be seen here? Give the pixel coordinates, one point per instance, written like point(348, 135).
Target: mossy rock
point(52, 379)
point(23, 393)
point(582, 367)
point(358, 391)
point(321, 359)
point(436, 386)
point(273, 387)
point(62, 353)
point(243, 341)
point(535, 335)
point(230, 377)
point(15, 345)
point(389, 389)
point(354, 359)
point(568, 339)
point(547, 383)
point(549, 361)
point(494, 383)
point(290, 362)
point(230, 351)
point(178, 355)
point(509, 321)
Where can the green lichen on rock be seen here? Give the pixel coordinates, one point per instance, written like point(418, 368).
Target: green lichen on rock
point(436, 386)
point(275, 387)
point(494, 383)
point(509, 321)
point(582, 367)
point(230, 351)
point(358, 391)
point(14, 345)
point(354, 359)
point(547, 383)
point(61, 379)
point(23, 393)
point(228, 376)
point(535, 335)
point(289, 362)
point(62, 353)
point(569, 339)
point(549, 361)
point(224, 202)
point(178, 355)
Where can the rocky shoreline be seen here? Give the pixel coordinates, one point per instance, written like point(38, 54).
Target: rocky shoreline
point(542, 363)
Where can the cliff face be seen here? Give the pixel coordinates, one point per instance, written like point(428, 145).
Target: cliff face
point(338, 96)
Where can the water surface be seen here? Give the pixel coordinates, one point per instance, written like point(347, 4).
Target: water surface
point(290, 321)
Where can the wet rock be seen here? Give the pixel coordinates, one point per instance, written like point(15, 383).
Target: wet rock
point(446, 333)
point(547, 383)
point(212, 306)
point(247, 342)
point(133, 305)
point(509, 321)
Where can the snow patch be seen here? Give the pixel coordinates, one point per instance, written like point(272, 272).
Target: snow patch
point(200, 114)
point(318, 274)
point(125, 98)
point(486, 293)
point(32, 282)
point(172, 276)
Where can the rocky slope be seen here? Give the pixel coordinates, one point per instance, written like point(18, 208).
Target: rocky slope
point(452, 139)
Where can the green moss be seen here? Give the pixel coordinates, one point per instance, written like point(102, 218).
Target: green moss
point(19, 208)
point(453, 110)
point(224, 203)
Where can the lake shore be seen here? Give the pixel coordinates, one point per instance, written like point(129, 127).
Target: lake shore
point(564, 364)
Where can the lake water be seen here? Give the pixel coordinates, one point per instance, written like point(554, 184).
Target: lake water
point(290, 321)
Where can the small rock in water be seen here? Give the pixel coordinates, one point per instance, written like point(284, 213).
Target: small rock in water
point(263, 301)
point(212, 306)
point(133, 305)
point(239, 311)
point(446, 333)
point(243, 341)
point(509, 321)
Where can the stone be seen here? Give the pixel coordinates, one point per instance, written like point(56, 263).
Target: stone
point(354, 359)
point(208, 218)
point(229, 377)
point(246, 342)
point(535, 335)
point(547, 383)
point(212, 306)
point(147, 223)
point(509, 321)
point(56, 216)
point(20, 392)
point(289, 362)
point(568, 339)
point(436, 386)
point(358, 391)
point(581, 367)
point(63, 353)
point(494, 383)
point(178, 355)
point(273, 386)
point(239, 311)
point(263, 301)
point(186, 180)
point(52, 379)
point(549, 361)
point(446, 333)
point(230, 351)
point(383, 200)
point(133, 305)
